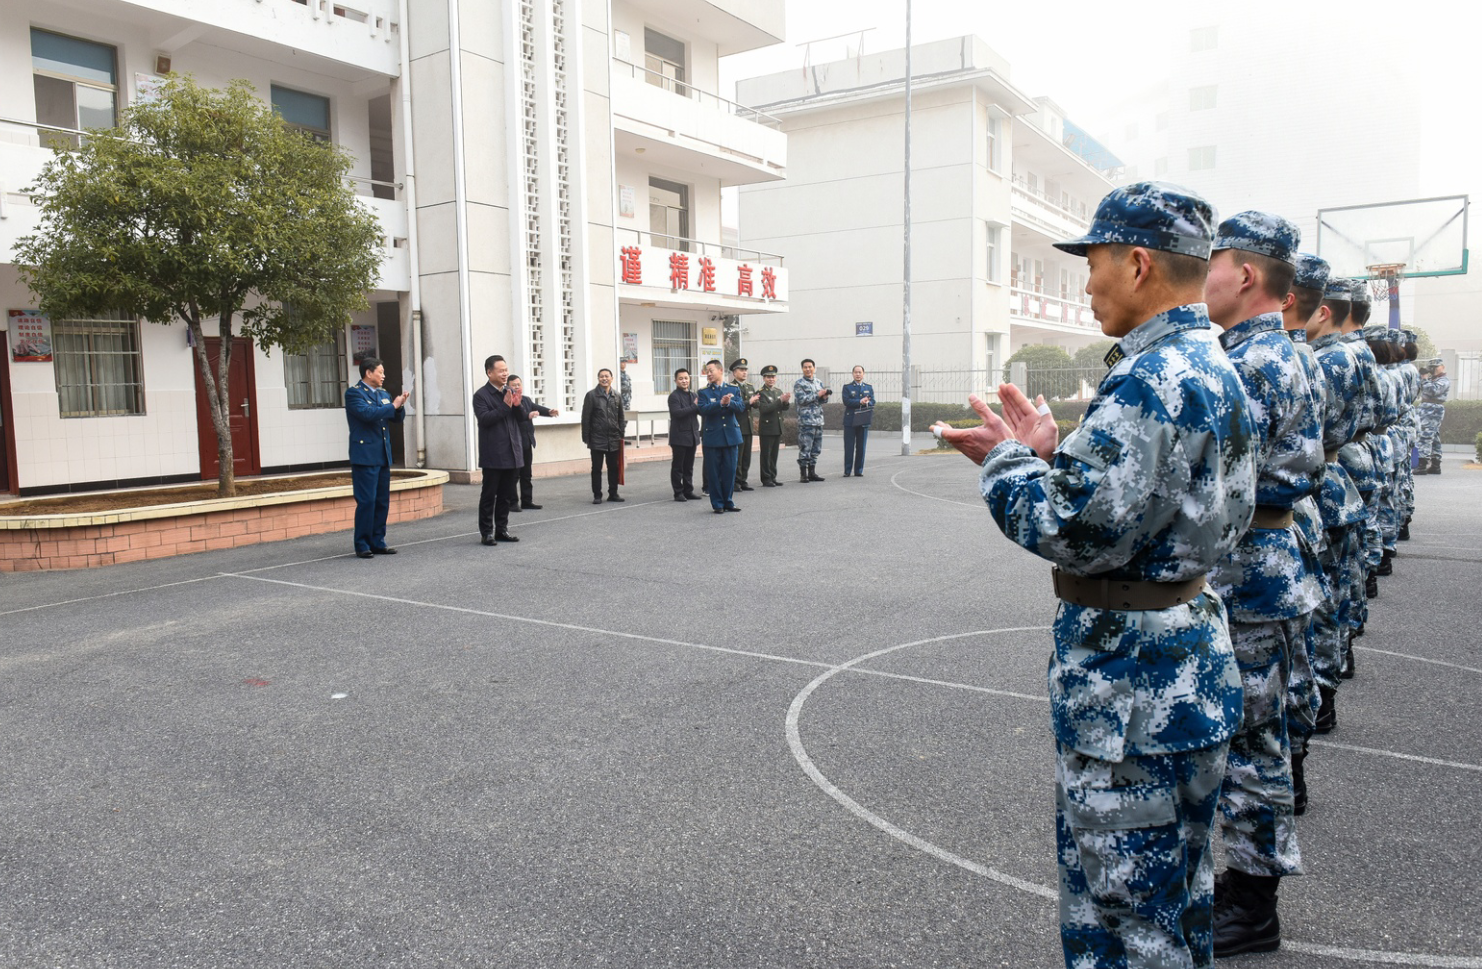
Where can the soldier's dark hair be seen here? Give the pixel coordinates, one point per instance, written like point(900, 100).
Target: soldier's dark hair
point(1381, 351)
point(1361, 313)
point(1412, 352)
point(1177, 268)
point(491, 361)
point(716, 362)
point(1308, 300)
point(808, 360)
point(368, 363)
point(678, 372)
point(1276, 274)
point(1339, 308)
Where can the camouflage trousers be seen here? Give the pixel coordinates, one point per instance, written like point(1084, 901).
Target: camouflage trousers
point(1257, 819)
point(1330, 620)
point(810, 442)
point(1302, 698)
point(1430, 429)
point(1373, 530)
point(1136, 869)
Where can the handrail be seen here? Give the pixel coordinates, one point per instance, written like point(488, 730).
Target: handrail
point(1020, 183)
point(717, 249)
point(687, 90)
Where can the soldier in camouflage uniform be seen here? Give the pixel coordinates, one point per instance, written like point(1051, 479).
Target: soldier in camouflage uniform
point(810, 395)
point(1269, 581)
point(1344, 424)
point(771, 403)
point(1380, 395)
point(1134, 508)
point(1388, 348)
point(749, 398)
point(1435, 387)
point(1411, 348)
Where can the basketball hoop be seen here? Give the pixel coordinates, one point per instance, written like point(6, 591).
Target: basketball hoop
point(1380, 276)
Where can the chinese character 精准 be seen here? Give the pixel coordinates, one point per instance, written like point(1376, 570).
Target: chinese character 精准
point(679, 271)
point(707, 274)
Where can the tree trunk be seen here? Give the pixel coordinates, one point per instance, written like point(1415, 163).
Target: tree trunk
point(218, 400)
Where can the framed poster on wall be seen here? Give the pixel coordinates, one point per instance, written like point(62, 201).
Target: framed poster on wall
point(30, 336)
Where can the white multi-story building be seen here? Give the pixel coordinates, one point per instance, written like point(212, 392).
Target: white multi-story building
point(996, 177)
point(562, 160)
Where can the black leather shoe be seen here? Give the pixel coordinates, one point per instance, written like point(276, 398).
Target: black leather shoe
point(848, 474)
point(769, 484)
point(859, 474)
point(487, 540)
point(387, 550)
point(504, 537)
point(615, 498)
point(515, 508)
point(1245, 914)
point(743, 486)
point(680, 498)
point(367, 554)
point(732, 508)
point(691, 496)
point(531, 505)
point(596, 499)
point(719, 511)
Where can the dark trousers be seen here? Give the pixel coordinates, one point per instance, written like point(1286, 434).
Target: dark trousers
point(682, 469)
point(854, 448)
point(743, 460)
point(372, 484)
point(611, 457)
point(720, 468)
point(527, 484)
point(770, 444)
point(495, 499)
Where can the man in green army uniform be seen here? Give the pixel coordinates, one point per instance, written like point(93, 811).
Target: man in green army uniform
point(749, 398)
point(771, 402)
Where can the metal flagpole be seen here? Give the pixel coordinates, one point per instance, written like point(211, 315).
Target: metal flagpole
point(906, 309)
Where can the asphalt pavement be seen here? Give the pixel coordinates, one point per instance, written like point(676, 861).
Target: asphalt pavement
point(810, 734)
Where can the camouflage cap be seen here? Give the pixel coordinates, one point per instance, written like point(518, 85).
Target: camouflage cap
point(1360, 291)
point(1338, 289)
point(1312, 272)
point(1260, 232)
point(1155, 215)
point(1409, 338)
point(1431, 362)
point(1379, 333)
point(769, 371)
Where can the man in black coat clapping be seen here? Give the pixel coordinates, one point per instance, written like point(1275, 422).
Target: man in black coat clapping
point(496, 407)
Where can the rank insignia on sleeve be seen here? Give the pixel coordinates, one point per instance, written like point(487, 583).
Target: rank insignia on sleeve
point(1113, 356)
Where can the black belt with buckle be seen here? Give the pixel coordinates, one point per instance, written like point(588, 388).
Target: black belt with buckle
point(1128, 595)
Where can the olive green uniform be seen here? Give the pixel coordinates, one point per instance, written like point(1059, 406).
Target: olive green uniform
point(743, 457)
point(769, 428)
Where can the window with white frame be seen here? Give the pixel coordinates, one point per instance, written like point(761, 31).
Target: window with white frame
point(99, 366)
point(1201, 98)
point(995, 144)
point(76, 84)
point(305, 112)
point(1201, 158)
point(664, 58)
point(993, 255)
point(673, 347)
point(317, 378)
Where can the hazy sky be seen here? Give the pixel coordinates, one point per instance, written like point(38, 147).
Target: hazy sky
point(1085, 55)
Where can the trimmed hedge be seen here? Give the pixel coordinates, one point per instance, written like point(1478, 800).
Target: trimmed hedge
point(1462, 423)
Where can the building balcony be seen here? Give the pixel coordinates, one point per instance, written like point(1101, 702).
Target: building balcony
point(659, 270)
point(732, 26)
point(1032, 208)
point(1028, 307)
point(21, 163)
point(678, 126)
point(348, 39)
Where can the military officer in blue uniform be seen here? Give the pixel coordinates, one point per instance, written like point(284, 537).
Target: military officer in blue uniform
point(720, 433)
point(859, 410)
point(1134, 508)
point(1270, 581)
point(368, 409)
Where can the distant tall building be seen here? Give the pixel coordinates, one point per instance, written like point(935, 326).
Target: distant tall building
point(996, 177)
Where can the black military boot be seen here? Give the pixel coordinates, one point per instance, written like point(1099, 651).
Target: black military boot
point(1436, 465)
point(1386, 564)
point(1245, 913)
point(813, 474)
point(1371, 586)
point(1404, 535)
point(1299, 780)
point(803, 473)
point(1327, 713)
point(1347, 672)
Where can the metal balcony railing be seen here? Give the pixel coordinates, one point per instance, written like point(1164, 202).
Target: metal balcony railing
point(1075, 209)
point(693, 93)
point(1034, 305)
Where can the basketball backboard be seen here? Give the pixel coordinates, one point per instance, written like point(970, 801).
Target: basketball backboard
point(1428, 237)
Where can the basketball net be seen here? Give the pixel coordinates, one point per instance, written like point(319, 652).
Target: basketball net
point(1380, 277)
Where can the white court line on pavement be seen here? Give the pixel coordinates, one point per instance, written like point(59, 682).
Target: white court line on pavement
point(107, 595)
point(1391, 753)
point(1418, 659)
point(919, 494)
point(800, 754)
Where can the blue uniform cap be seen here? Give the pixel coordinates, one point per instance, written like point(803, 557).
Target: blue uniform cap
point(1154, 215)
point(1360, 291)
point(1337, 288)
point(1260, 232)
point(1312, 272)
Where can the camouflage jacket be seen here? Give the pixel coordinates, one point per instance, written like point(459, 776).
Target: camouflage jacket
point(809, 407)
point(1158, 483)
point(1349, 412)
point(1273, 574)
point(1338, 502)
point(1435, 390)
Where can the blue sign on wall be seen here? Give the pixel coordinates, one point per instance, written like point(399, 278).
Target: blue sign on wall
point(864, 329)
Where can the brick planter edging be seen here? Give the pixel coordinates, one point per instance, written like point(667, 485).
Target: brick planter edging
point(33, 542)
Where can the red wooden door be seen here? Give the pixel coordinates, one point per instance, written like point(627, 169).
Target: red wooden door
point(241, 414)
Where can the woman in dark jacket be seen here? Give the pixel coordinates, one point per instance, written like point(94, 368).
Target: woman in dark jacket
point(684, 436)
point(602, 426)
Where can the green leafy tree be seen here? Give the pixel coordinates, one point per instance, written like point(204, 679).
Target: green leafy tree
point(1092, 356)
point(203, 204)
point(1049, 371)
point(1424, 345)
